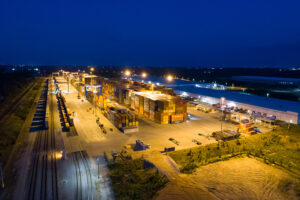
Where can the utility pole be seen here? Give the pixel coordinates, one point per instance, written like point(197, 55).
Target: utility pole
point(68, 84)
point(98, 167)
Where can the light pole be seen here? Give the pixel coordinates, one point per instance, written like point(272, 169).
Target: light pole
point(98, 162)
point(68, 85)
point(291, 121)
point(222, 102)
point(95, 92)
point(91, 70)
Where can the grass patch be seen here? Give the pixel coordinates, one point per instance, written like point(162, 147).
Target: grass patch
point(131, 180)
point(280, 148)
point(11, 126)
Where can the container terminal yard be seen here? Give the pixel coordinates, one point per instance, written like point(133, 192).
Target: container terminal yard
point(149, 100)
point(83, 121)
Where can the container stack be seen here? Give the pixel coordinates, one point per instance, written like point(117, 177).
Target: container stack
point(122, 118)
point(161, 108)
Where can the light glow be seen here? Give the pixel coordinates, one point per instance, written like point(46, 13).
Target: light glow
point(127, 73)
point(169, 78)
point(144, 74)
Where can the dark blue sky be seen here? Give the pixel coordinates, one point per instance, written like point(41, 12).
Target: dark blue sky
point(220, 33)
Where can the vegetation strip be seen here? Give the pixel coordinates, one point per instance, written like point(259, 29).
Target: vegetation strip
point(132, 179)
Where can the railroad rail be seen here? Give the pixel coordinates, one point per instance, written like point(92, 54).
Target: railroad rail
point(83, 173)
point(43, 173)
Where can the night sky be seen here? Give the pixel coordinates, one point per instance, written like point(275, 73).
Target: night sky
point(212, 33)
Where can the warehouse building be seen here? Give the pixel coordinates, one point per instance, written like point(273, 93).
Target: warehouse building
point(268, 108)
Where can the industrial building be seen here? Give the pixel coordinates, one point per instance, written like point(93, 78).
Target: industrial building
point(270, 109)
point(263, 107)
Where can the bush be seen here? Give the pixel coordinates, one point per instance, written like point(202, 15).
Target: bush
point(131, 180)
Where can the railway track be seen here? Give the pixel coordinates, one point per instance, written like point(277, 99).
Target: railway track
point(53, 148)
point(83, 175)
point(43, 174)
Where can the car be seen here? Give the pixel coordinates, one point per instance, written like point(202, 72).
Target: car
point(201, 134)
point(104, 131)
point(111, 129)
point(101, 125)
point(174, 141)
point(196, 141)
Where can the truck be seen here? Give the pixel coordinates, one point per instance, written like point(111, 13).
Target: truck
point(141, 146)
point(168, 149)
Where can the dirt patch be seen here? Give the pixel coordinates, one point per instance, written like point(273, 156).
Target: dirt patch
point(241, 178)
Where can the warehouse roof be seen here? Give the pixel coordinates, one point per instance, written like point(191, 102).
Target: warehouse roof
point(271, 103)
point(155, 95)
point(189, 87)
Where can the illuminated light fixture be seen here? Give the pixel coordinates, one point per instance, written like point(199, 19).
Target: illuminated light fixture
point(149, 82)
point(222, 99)
point(127, 73)
point(144, 74)
point(231, 104)
point(157, 84)
point(169, 78)
point(184, 94)
point(92, 69)
point(59, 155)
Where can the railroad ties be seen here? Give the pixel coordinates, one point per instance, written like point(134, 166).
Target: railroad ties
point(42, 176)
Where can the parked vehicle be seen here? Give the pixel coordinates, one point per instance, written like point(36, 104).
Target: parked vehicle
point(174, 141)
point(168, 149)
point(196, 141)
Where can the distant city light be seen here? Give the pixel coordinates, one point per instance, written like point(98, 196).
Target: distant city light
point(157, 84)
point(144, 74)
point(149, 82)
